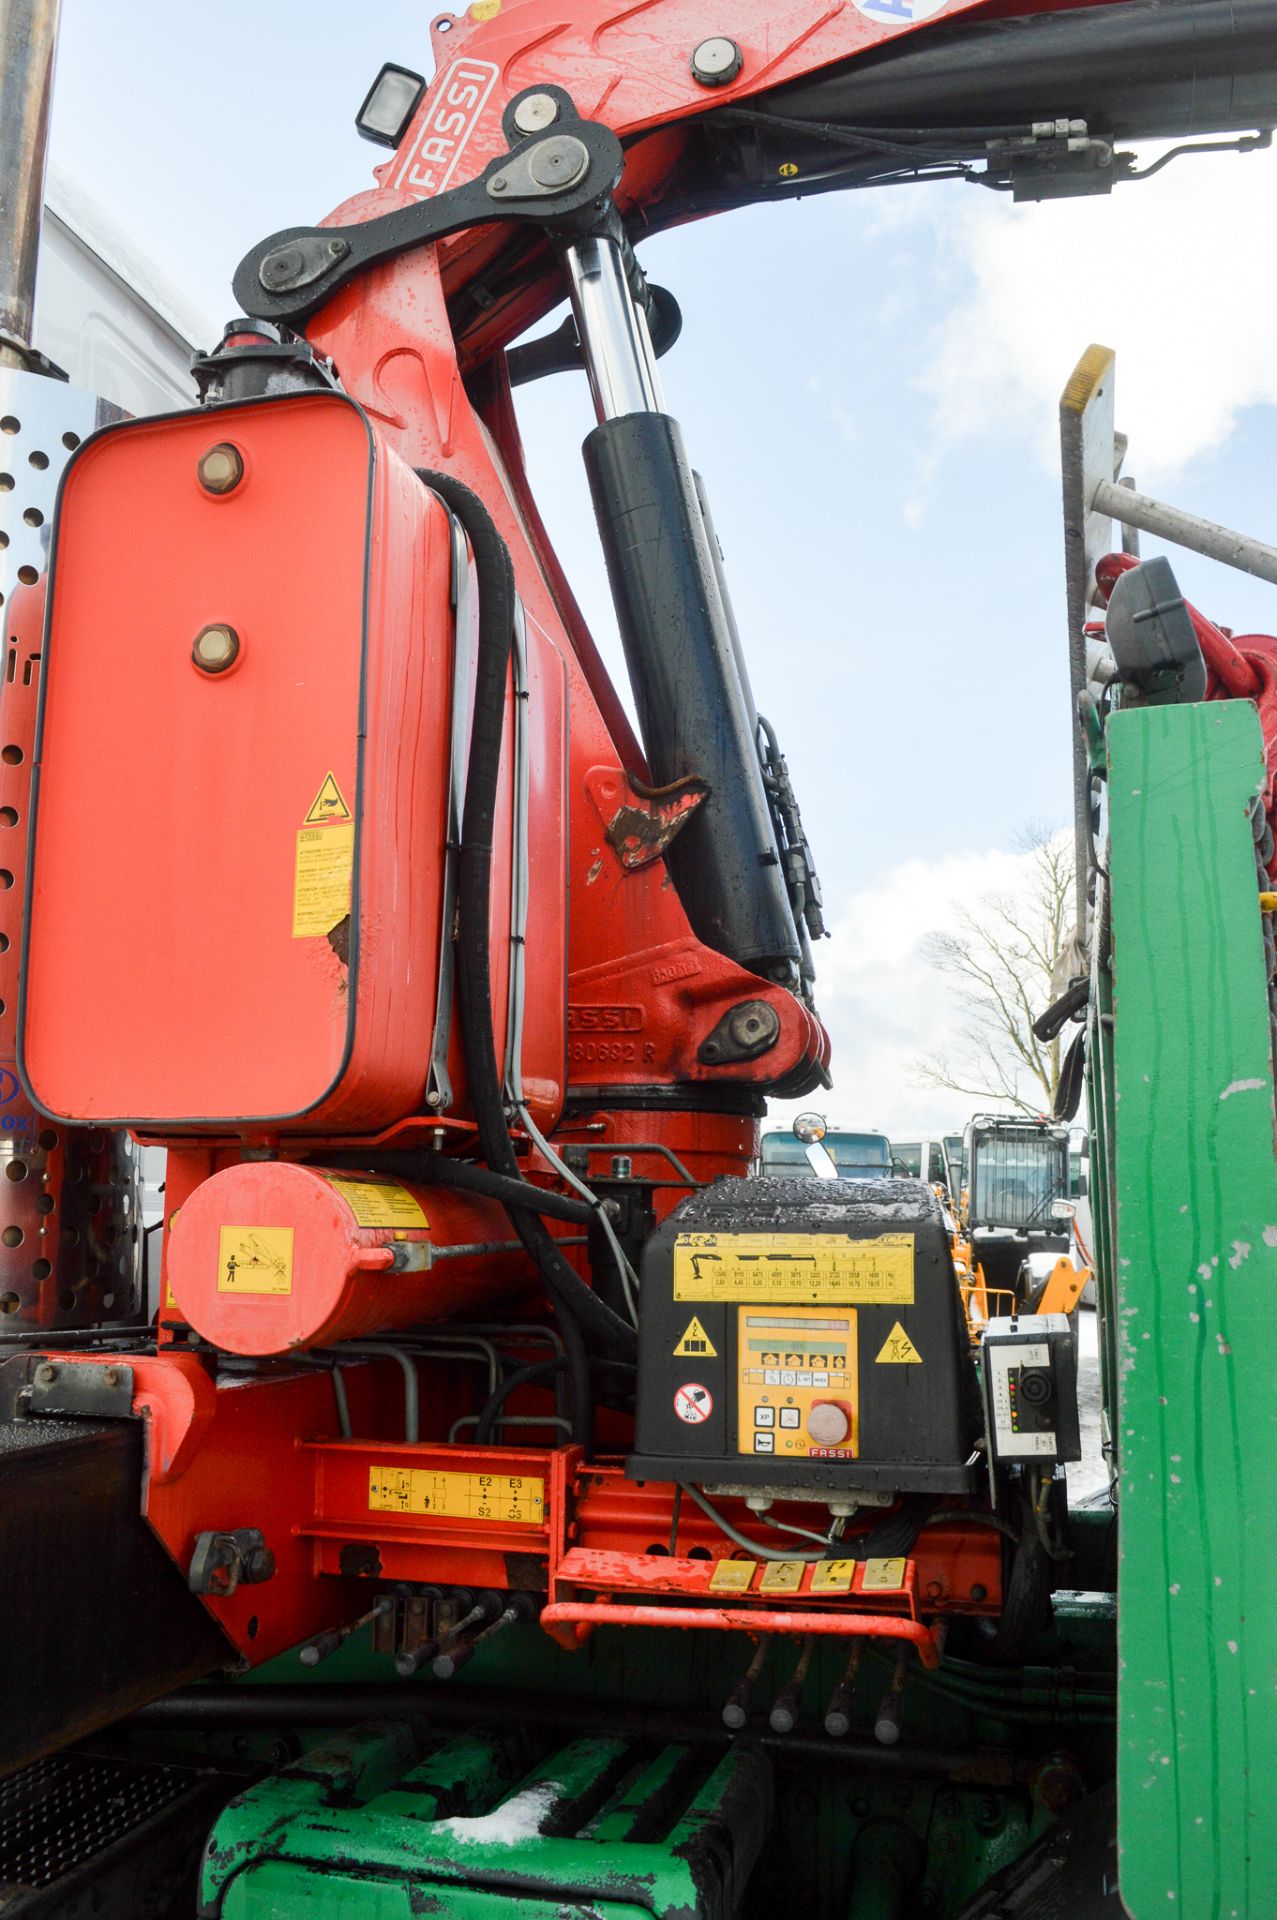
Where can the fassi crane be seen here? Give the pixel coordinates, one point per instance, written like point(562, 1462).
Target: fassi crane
point(445, 990)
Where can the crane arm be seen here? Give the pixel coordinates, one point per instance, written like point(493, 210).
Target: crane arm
point(1026, 95)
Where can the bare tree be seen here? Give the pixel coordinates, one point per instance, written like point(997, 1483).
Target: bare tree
point(1009, 956)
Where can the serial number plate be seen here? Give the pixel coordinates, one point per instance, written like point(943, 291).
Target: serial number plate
point(513, 1499)
point(795, 1266)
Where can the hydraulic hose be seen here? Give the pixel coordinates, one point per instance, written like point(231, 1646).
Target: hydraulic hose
point(521, 1377)
point(581, 1315)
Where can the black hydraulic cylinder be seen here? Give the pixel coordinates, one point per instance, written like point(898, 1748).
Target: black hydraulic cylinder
point(694, 714)
point(1147, 69)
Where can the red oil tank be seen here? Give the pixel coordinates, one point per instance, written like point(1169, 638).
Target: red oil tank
point(269, 1257)
point(248, 701)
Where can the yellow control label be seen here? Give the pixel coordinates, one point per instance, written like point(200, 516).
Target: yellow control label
point(321, 879)
point(898, 1350)
point(733, 1576)
point(789, 1364)
point(695, 1341)
point(883, 1576)
point(795, 1266)
point(378, 1203)
point(833, 1576)
point(255, 1260)
point(781, 1576)
point(328, 805)
point(513, 1499)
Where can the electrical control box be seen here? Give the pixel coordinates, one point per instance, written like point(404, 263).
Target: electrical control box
point(808, 1334)
point(255, 700)
point(1029, 1367)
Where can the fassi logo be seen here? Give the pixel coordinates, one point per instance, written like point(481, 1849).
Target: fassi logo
point(458, 101)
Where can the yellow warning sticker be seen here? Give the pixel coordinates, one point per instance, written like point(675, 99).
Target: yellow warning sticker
point(255, 1260)
point(795, 1266)
point(883, 1576)
point(898, 1350)
point(781, 1576)
point(733, 1576)
point(321, 879)
point(328, 806)
point(378, 1203)
point(513, 1499)
point(695, 1340)
point(833, 1576)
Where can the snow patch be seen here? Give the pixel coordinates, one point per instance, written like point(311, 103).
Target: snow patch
point(518, 1819)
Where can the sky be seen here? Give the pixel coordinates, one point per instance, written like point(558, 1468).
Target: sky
point(868, 383)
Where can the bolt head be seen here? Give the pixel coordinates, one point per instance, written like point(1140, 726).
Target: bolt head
point(220, 468)
point(559, 162)
point(536, 112)
point(46, 1374)
point(215, 648)
point(716, 62)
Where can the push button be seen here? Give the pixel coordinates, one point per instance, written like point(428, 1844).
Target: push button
point(827, 1423)
point(764, 1416)
point(790, 1416)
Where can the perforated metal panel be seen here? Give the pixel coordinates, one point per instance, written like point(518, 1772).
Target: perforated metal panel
point(69, 1222)
point(61, 1813)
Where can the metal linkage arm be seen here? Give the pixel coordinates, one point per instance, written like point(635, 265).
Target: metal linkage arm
point(561, 180)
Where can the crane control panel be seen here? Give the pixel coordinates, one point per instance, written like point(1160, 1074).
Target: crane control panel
point(792, 1336)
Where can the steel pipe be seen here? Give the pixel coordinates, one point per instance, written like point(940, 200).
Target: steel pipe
point(1132, 509)
point(28, 38)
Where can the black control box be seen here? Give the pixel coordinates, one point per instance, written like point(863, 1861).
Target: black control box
point(1029, 1365)
point(805, 1333)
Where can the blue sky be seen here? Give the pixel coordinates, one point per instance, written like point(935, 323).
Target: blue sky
point(868, 384)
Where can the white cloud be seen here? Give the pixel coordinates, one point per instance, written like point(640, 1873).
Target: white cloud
point(1173, 274)
point(881, 1001)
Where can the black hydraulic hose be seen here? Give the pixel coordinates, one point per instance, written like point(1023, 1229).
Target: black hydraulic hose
point(521, 1377)
point(578, 1310)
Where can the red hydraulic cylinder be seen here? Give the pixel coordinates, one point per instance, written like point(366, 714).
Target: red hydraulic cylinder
point(271, 1256)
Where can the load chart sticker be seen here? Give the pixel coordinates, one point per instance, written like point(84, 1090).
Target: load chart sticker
point(693, 1403)
point(324, 864)
point(695, 1341)
point(513, 1499)
point(733, 1576)
point(795, 1266)
point(255, 1260)
point(378, 1203)
point(782, 1576)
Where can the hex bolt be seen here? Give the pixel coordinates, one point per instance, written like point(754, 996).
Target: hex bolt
point(45, 1374)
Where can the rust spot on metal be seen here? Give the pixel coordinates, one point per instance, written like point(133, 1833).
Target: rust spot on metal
point(642, 828)
point(594, 873)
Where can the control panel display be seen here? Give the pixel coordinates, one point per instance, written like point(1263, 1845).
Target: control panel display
point(796, 1384)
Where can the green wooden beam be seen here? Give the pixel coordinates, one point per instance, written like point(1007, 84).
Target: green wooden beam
point(1196, 1306)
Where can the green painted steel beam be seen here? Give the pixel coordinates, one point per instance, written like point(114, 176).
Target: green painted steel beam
point(1196, 1317)
point(366, 1828)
